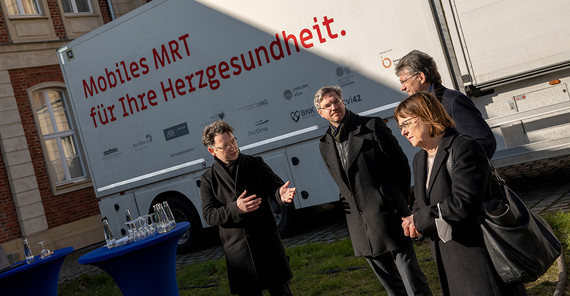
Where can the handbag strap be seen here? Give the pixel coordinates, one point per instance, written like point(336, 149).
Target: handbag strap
point(500, 181)
point(450, 165)
point(492, 190)
point(449, 161)
point(495, 173)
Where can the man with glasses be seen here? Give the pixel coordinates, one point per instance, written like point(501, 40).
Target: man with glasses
point(373, 176)
point(417, 72)
point(236, 193)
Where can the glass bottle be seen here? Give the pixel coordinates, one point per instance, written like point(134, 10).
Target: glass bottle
point(28, 252)
point(128, 215)
point(109, 238)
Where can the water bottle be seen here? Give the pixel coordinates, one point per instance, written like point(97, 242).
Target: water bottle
point(109, 238)
point(28, 252)
point(128, 216)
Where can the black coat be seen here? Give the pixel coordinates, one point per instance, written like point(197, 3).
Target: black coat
point(375, 187)
point(463, 265)
point(468, 119)
point(254, 252)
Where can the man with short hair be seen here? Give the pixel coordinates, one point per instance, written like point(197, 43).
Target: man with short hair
point(235, 193)
point(373, 176)
point(417, 72)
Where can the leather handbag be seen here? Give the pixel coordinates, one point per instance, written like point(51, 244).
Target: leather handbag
point(519, 244)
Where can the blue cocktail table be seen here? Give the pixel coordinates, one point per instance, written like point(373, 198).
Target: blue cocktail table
point(146, 267)
point(37, 278)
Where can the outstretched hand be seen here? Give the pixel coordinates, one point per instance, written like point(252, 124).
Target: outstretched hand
point(248, 204)
point(287, 193)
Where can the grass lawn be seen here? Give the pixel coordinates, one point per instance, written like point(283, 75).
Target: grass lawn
point(320, 269)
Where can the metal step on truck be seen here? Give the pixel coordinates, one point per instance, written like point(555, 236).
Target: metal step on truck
point(143, 87)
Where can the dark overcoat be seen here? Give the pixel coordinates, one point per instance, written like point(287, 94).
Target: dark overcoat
point(375, 186)
point(463, 265)
point(254, 252)
point(468, 119)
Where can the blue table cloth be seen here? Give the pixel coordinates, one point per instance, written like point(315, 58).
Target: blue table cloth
point(37, 278)
point(146, 267)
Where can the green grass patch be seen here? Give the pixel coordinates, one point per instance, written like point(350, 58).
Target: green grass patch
point(100, 284)
point(320, 269)
point(546, 284)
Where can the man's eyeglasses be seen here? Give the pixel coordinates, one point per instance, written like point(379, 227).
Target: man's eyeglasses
point(335, 102)
point(406, 80)
point(227, 146)
point(405, 124)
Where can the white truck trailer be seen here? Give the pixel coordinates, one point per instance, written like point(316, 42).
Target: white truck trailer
point(143, 87)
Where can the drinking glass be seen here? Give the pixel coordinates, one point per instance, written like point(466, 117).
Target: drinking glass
point(142, 230)
point(133, 233)
point(147, 225)
point(153, 222)
point(45, 253)
point(171, 221)
point(162, 226)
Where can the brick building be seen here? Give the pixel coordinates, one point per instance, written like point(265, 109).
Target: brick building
point(45, 189)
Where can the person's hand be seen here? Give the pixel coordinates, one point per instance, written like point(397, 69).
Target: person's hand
point(414, 233)
point(409, 227)
point(287, 193)
point(248, 204)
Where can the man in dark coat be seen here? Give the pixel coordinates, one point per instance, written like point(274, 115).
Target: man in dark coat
point(373, 176)
point(417, 72)
point(236, 193)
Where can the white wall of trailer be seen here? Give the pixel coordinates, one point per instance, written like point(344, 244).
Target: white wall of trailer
point(517, 54)
point(142, 102)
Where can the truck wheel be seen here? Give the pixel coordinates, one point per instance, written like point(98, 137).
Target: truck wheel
point(182, 212)
point(283, 217)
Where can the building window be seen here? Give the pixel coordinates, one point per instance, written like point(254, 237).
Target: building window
point(76, 6)
point(60, 142)
point(22, 7)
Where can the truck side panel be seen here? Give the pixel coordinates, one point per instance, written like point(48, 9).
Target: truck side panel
point(142, 103)
point(514, 60)
point(507, 39)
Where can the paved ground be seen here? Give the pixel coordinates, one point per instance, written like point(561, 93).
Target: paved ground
point(543, 185)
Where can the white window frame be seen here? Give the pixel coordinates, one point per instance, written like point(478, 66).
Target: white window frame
point(74, 7)
point(21, 9)
point(69, 184)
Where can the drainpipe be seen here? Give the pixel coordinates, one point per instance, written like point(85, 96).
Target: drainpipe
point(111, 10)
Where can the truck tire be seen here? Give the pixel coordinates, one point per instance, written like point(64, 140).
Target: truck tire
point(183, 212)
point(283, 217)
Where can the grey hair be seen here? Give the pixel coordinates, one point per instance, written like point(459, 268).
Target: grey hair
point(415, 62)
point(323, 91)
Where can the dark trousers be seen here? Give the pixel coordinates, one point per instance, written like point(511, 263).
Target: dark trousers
point(400, 273)
point(276, 290)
